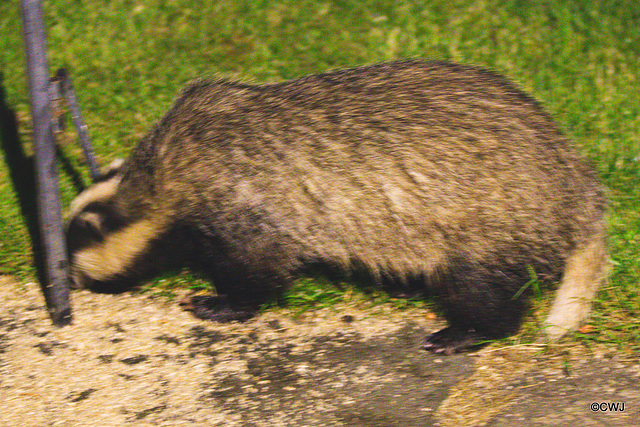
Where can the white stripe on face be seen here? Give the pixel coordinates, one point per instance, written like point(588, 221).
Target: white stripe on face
point(117, 252)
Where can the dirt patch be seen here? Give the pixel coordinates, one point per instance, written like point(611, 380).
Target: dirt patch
point(134, 360)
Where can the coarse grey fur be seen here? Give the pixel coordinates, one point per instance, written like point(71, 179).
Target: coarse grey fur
point(421, 173)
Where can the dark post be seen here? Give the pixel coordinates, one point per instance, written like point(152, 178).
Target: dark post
point(64, 88)
point(49, 215)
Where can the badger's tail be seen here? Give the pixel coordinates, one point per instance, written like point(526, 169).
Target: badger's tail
point(586, 269)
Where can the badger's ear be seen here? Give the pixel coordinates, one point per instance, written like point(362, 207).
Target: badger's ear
point(112, 170)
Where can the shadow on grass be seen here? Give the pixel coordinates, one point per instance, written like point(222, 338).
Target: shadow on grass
point(22, 174)
point(21, 169)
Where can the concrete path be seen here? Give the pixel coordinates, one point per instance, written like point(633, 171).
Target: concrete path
point(132, 360)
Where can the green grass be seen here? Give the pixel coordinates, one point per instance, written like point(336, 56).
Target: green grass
point(129, 59)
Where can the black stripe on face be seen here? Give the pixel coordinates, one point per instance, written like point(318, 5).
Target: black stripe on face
point(92, 225)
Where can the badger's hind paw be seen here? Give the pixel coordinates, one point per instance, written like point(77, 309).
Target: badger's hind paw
point(215, 308)
point(453, 340)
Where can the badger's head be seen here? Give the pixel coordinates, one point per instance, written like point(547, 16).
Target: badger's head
point(110, 231)
point(103, 241)
point(91, 220)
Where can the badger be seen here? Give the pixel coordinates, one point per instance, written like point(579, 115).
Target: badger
point(426, 175)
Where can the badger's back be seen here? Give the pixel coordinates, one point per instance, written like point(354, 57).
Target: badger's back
point(398, 167)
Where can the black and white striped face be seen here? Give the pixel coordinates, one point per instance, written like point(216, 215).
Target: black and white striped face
point(88, 225)
point(102, 244)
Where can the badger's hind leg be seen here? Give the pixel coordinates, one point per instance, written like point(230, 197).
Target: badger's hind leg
point(585, 271)
point(480, 302)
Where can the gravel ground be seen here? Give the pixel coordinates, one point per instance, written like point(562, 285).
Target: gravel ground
point(135, 360)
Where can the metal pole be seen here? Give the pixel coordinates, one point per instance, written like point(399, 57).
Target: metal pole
point(49, 215)
point(63, 88)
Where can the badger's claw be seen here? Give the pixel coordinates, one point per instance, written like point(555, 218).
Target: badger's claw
point(453, 340)
point(215, 308)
